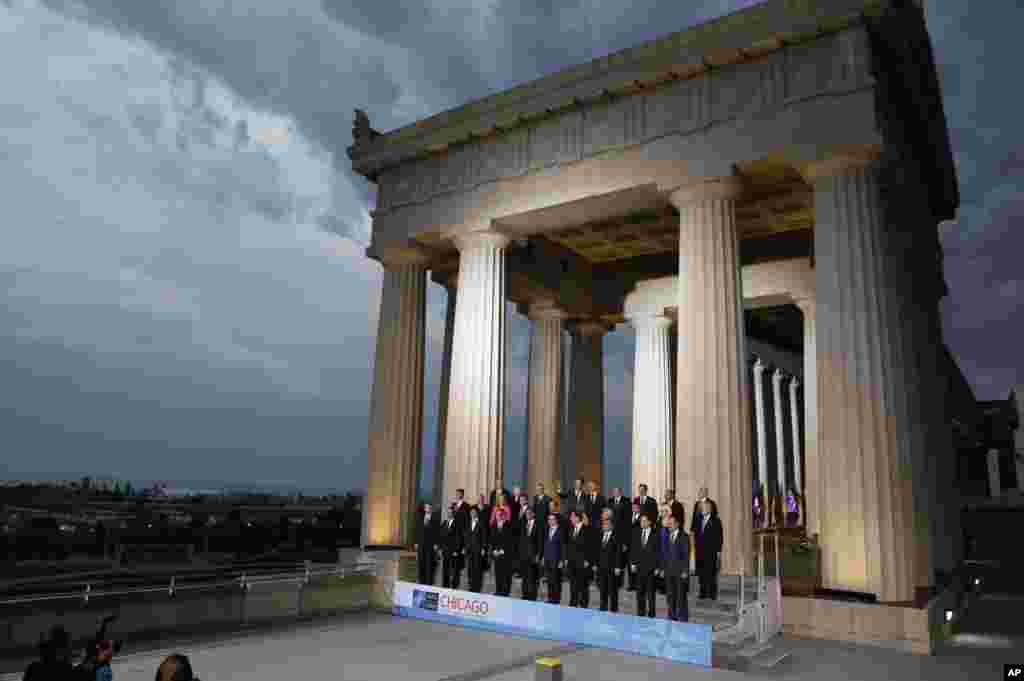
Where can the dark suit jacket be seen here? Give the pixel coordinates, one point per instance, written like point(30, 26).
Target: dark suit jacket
point(580, 548)
point(474, 543)
point(593, 508)
point(530, 545)
point(650, 507)
point(609, 556)
point(675, 557)
point(502, 539)
point(428, 535)
point(622, 511)
point(462, 516)
point(553, 549)
point(646, 558)
point(451, 538)
point(709, 542)
point(541, 508)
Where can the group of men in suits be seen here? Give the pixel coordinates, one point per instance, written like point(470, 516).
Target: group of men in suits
point(530, 538)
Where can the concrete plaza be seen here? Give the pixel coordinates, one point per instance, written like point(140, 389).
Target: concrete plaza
point(370, 647)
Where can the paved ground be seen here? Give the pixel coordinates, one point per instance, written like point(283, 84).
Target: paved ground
point(372, 647)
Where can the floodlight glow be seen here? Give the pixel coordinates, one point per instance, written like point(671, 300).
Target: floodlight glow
point(949, 615)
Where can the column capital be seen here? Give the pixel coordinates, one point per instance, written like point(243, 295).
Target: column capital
point(795, 383)
point(840, 163)
point(807, 305)
point(759, 365)
point(779, 375)
point(545, 309)
point(708, 190)
point(484, 238)
point(391, 254)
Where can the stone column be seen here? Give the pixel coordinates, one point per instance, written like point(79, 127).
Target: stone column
point(794, 413)
point(762, 444)
point(544, 395)
point(586, 399)
point(652, 463)
point(442, 403)
point(1018, 457)
point(711, 404)
point(780, 432)
point(396, 406)
point(813, 501)
point(868, 532)
point(995, 483)
point(474, 444)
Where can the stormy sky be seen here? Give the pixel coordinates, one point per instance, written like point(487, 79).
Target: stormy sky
point(183, 292)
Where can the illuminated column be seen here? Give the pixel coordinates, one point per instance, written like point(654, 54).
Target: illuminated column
point(442, 403)
point(396, 405)
point(780, 432)
point(474, 445)
point(762, 444)
point(794, 413)
point(813, 500)
point(652, 463)
point(711, 403)
point(586, 399)
point(544, 394)
point(868, 533)
point(995, 483)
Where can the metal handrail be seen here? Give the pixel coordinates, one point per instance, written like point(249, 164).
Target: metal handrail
point(89, 593)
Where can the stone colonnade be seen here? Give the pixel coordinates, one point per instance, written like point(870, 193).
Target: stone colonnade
point(863, 453)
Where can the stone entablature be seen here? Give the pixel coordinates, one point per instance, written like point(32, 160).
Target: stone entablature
point(734, 37)
point(832, 64)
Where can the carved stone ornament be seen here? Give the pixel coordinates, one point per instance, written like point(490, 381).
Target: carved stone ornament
point(361, 130)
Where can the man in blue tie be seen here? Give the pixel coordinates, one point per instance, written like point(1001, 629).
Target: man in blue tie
point(554, 559)
point(676, 569)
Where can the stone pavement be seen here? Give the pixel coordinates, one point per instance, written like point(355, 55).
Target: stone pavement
point(372, 647)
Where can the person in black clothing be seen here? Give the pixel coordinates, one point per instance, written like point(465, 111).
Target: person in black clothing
point(648, 504)
point(675, 565)
point(609, 565)
point(593, 502)
point(708, 543)
point(54, 663)
point(502, 542)
point(461, 512)
point(451, 551)
point(644, 558)
point(553, 554)
point(675, 507)
point(427, 542)
point(530, 554)
point(541, 504)
point(579, 557)
point(575, 502)
point(474, 548)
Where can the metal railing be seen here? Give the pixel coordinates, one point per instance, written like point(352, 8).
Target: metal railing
point(301, 575)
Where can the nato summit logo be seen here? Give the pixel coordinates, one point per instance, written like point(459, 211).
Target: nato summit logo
point(425, 600)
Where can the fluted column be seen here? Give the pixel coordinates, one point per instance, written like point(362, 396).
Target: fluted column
point(442, 402)
point(586, 399)
point(813, 500)
point(780, 432)
point(396, 407)
point(544, 394)
point(794, 417)
point(711, 404)
point(762, 443)
point(474, 445)
point(652, 463)
point(868, 533)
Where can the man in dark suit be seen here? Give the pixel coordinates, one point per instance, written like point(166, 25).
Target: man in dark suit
point(461, 513)
point(554, 558)
point(530, 554)
point(695, 520)
point(648, 504)
point(631, 526)
point(593, 502)
point(451, 551)
point(574, 501)
point(502, 541)
point(541, 504)
point(427, 543)
point(579, 557)
point(620, 508)
point(499, 488)
point(643, 563)
point(675, 566)
point(708, 549)
point(474, 545)
point(609, 565)
point(675, 507)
